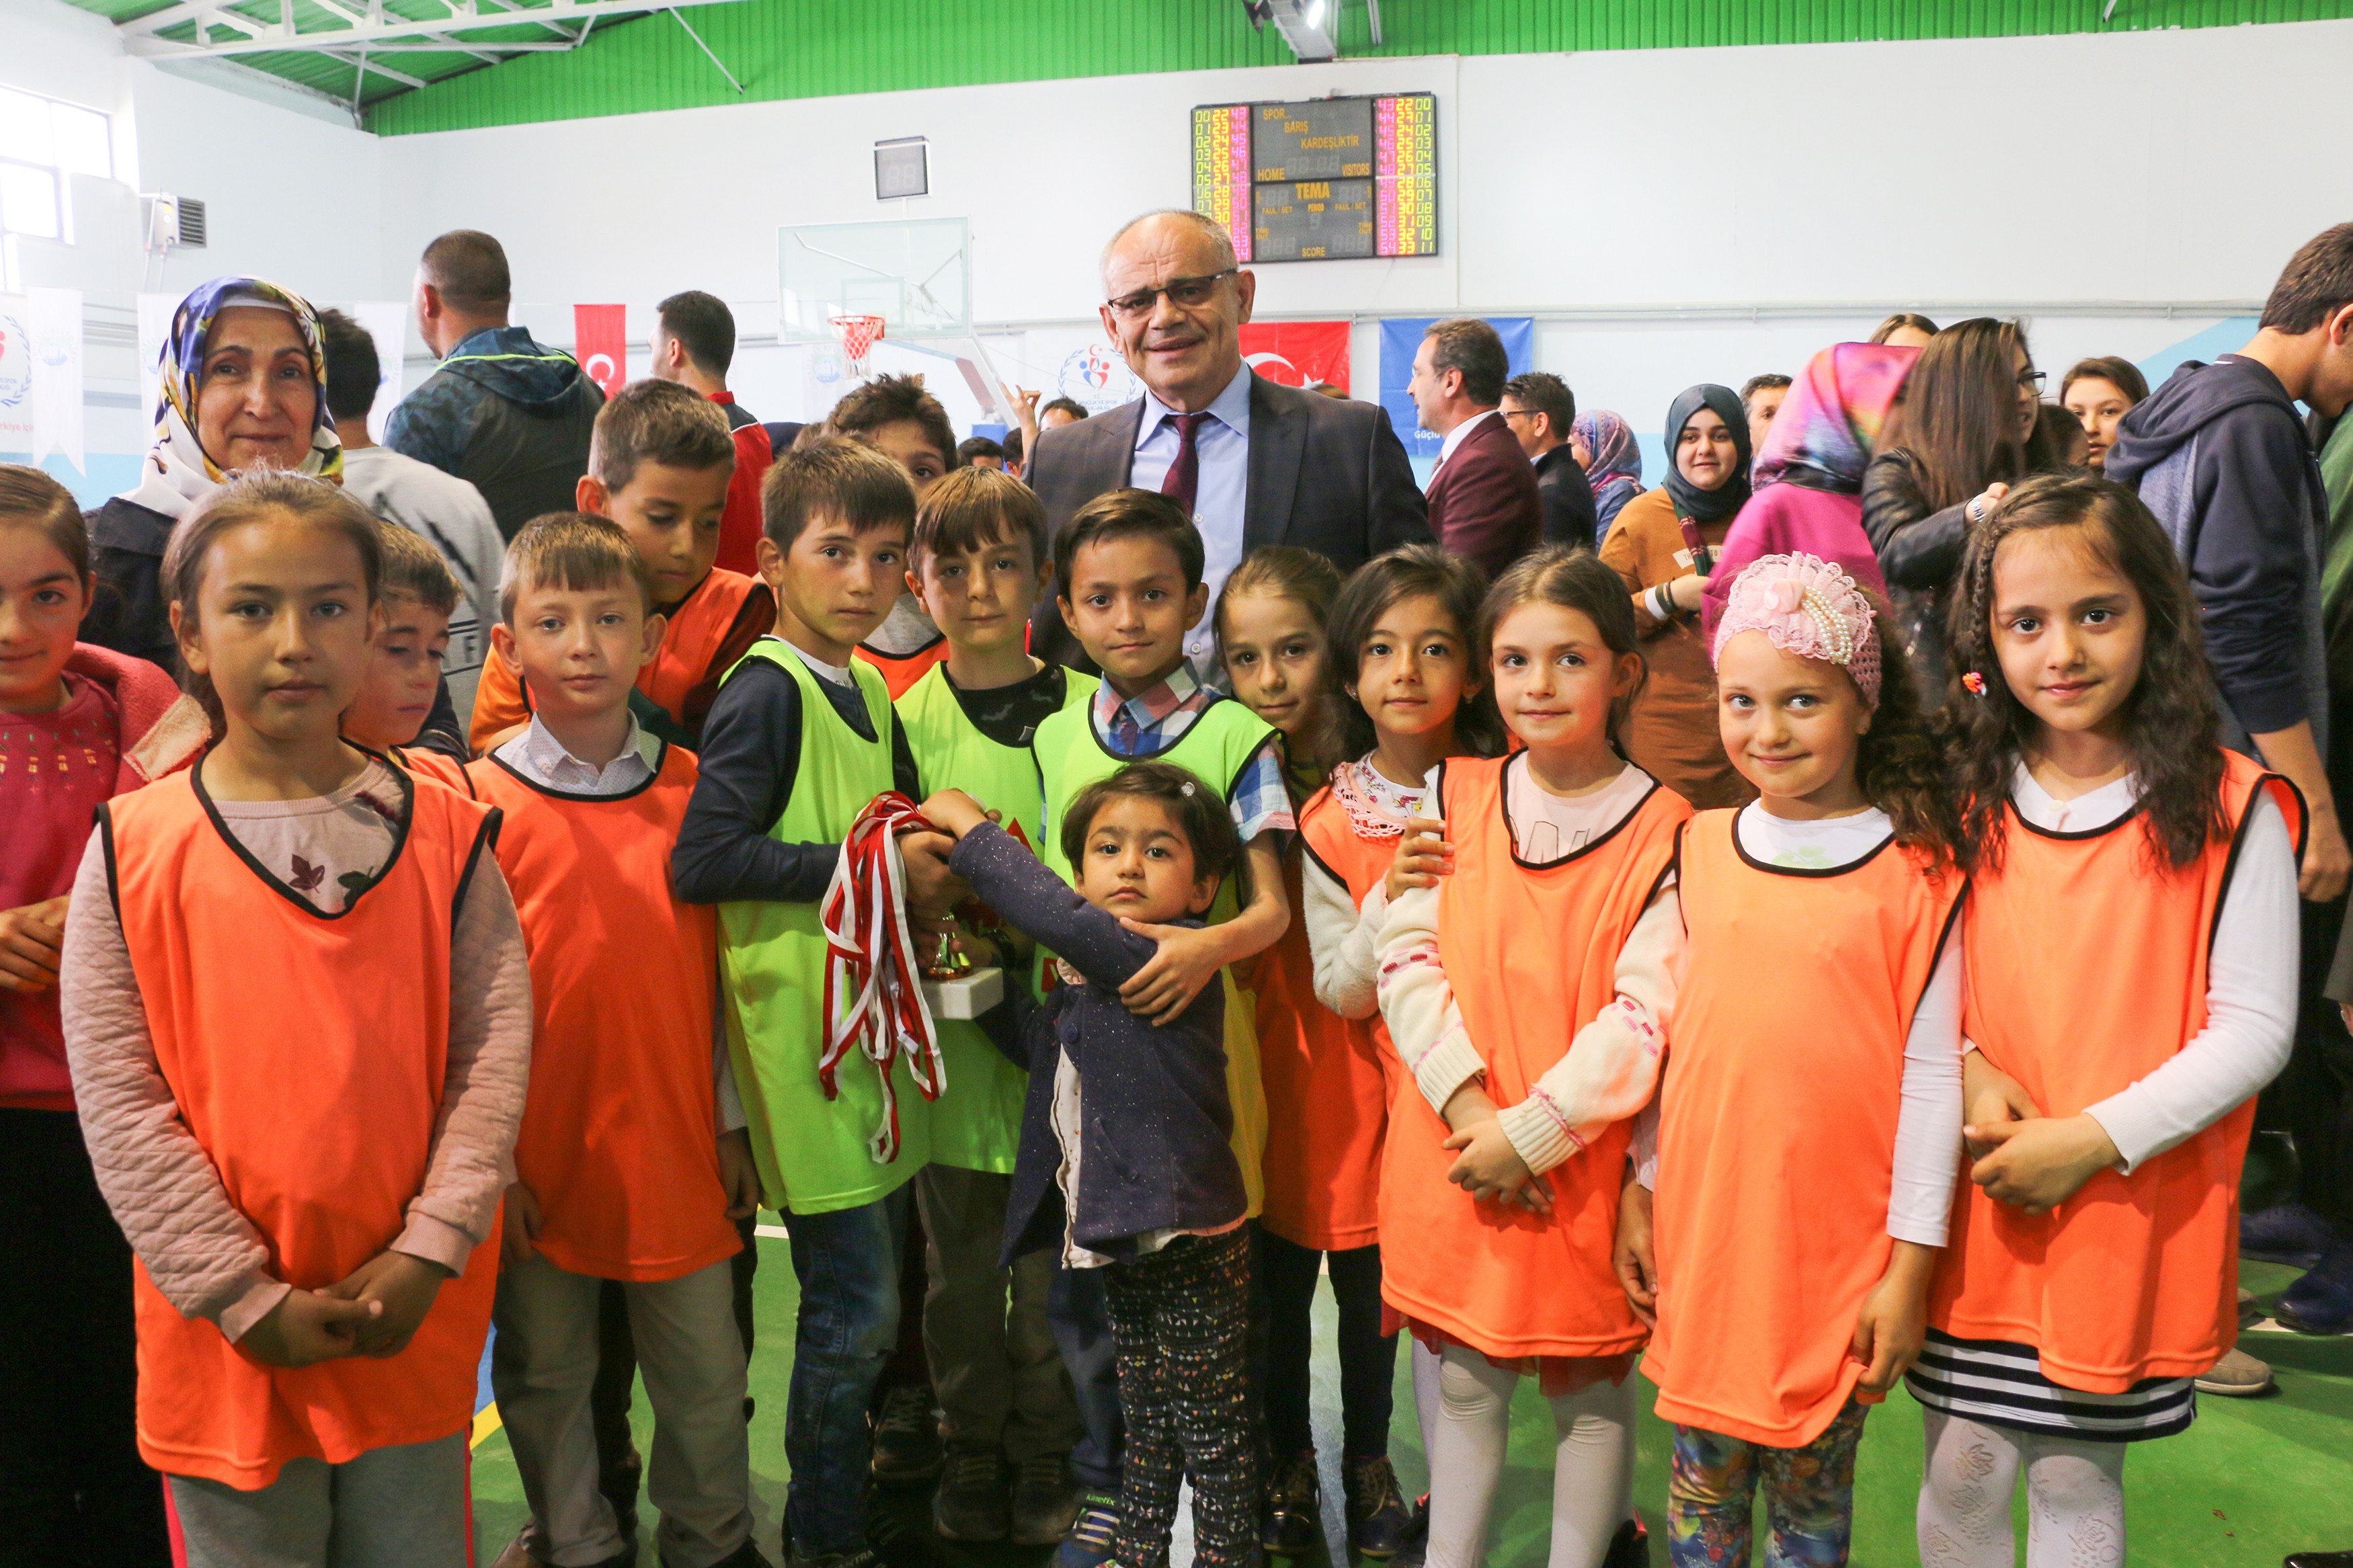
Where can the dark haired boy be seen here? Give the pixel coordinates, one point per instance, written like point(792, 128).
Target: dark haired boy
point(894, 414)
point(800, 738)
point(1129, 585)
point(660, 467)
point(1163, 1224)
point(976, 567)
point(694, 344)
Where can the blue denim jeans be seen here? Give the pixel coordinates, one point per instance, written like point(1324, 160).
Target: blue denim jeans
point(1080, 1316)
point(848, 1265)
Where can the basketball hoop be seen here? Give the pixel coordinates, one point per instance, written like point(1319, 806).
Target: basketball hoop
point(856, 334)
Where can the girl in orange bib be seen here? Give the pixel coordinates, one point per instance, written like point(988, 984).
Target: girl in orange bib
point(1527, 993)
point(297, 1012)
point(1809, 1111)
point(2132, 982)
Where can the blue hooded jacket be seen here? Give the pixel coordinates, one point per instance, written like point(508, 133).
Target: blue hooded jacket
point(509, 416)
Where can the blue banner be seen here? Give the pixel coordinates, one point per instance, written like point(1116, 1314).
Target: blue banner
point(1401, 341)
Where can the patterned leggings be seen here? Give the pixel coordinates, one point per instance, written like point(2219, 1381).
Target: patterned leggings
point(1809, 1497)
point(1179, 1316)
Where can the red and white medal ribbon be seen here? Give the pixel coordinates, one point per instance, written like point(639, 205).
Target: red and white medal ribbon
point(870, 958)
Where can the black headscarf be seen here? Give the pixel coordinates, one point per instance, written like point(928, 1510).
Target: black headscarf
point(1715, 505)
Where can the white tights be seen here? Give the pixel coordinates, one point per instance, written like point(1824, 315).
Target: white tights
point(1467, 1424)
point(2074, 1498)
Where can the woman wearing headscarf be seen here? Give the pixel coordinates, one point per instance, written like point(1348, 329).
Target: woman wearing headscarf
point(1605, 448)
point(243, 387)
point(1663, 547)
point(1809, 477)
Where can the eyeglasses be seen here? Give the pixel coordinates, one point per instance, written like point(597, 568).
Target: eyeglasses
point(2033, 381)
point(1185, 293)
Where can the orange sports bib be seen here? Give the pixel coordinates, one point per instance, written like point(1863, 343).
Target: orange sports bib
point(427, 763)
point(2135, 1275)
point(901, 671)
point(1531, 953)
point(1776, 1134)
point(315, 1099)
point(617, 1140)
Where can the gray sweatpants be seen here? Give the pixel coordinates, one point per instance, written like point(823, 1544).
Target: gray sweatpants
point(994, 1365)
point(543, 1364)
point(402, 1506)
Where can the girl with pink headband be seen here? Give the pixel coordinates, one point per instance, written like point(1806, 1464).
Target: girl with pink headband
point(1808, 1116)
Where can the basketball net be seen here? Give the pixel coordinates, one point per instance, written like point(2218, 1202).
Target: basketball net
point(856, 334)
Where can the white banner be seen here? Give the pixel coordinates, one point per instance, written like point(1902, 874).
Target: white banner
point(57, 374)
point(156, 311)
point(16, 360)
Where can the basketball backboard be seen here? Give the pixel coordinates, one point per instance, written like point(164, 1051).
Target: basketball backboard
point(915, 273)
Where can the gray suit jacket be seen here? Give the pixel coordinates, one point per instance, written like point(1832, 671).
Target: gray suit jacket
point(1324, 475)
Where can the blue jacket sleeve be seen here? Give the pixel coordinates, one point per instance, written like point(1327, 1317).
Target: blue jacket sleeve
point(2253, 565)
point(1034, 901)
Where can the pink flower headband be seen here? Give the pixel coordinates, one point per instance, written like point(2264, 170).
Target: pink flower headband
point(1809, 607)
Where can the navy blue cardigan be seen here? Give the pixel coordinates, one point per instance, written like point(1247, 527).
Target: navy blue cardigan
point(1156, 1124)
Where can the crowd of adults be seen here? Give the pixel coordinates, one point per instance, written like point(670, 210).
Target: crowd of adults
point(1881, 455)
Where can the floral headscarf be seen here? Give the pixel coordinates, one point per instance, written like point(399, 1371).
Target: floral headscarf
point(1832, 416)
point(1616, 454)
point(178, 472)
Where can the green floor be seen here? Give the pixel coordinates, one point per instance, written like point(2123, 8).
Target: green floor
point(2250, 1482)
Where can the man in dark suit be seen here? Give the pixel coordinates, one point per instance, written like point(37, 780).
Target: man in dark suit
point(1484, 504)
point(1255, 463)
point(1539, 407)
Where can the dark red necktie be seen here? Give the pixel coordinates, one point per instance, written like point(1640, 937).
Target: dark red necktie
point(1183, 482)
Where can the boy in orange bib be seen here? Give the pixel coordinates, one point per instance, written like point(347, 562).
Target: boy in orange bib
point(311, 1185)
point(1527, 991)
point(404, 672)
point(1811, 1105)
point(632, 1165)
point(2132, 984)
point(659, 466)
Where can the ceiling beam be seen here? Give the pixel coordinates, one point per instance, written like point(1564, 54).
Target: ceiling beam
point(366, 30)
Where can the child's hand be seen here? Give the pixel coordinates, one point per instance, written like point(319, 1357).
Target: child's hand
point(1634, 1255)
point(1893, 1322)
point(1491, 1168)
point(739, 1174)
point(955, 813)
point(1467, 1106)
point(1189, 959)
point(308, 1327)
point(402, 1287)
point(932, 887)
point(1990, 1096)
point(523, 1222)
point(1423, 856)
point(2040, 1165)
point(31, 937)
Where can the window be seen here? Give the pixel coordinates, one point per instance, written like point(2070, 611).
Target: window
point(41, 142)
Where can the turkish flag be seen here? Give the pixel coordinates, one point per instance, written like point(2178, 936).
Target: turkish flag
point(600, 342)
point(1298, 353)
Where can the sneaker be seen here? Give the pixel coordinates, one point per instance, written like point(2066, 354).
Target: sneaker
point(970, 1504)
point(2248, 1313)
point(1377, 1511)
point(901, 1540)
point(529, 1550)
point(744, 1556)
point(1417, 1529)
point(2321, 1560)
point(2285, 1232)
point(2237, 1375)
point(907, 1438)
point(1090, 1540)
point(1045, 1500)
point(2322, 1302)
point(1294, 1522)
point(861, 1558)
point(1629, 1548)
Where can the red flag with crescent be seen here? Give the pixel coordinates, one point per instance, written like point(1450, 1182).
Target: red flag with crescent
point(1298, 353)
point(600, 342)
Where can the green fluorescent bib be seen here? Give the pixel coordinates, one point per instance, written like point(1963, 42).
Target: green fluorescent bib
point(976, 1121)
point(811, 1151)
point(1214, 748)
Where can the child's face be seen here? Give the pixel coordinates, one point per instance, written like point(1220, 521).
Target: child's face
point(1414, 671)
point(579, 648)
point(1139, 864)
point(404, 675)
point(1275, 654)
point(2069, 628)
point(906, 443)
point(1555, 678)
point(980, 598)
point(281, 625)
point(671, 515)
point(1130, 608)
point(41, 602)
point(836, 583)
point(1791, 725)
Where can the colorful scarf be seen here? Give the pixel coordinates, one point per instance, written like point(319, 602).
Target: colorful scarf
point(178, 473)
point(1823, 436)
point(1616, 455)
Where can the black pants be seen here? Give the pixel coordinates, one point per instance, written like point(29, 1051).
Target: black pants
point(1287, 1274)
point(617, 1465)
point(2312, 1099)
point(1180, 1315)
point(73, 1490)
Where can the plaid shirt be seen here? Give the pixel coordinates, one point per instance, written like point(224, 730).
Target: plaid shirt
point(1150, 723)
